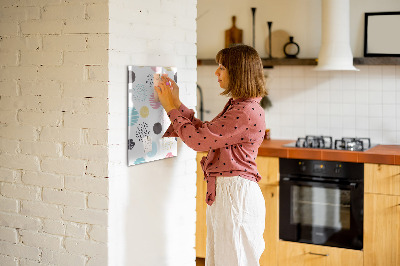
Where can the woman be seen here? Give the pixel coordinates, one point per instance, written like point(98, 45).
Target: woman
point(236, 211)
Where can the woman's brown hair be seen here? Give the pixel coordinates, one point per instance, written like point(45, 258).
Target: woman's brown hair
point(245, 69)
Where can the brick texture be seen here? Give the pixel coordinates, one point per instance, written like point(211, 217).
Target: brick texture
point(53, 139)
point(63, 127)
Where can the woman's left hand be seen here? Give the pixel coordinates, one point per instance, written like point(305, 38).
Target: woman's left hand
point(165, 95)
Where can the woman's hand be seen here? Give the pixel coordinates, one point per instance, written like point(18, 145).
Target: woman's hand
point(164, 92)
point(175, 90)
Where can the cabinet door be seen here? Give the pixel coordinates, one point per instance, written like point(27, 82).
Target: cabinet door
point(201, 205)
point(381, 230)
point(268, 167)
point(271, 232)
point(382, 179)
point(299, 254)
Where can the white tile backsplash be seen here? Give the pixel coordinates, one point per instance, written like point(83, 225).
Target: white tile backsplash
point(363, 103)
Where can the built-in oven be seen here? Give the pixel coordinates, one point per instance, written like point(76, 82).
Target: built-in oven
point(321, 202)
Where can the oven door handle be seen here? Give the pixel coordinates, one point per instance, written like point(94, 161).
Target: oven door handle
point(319, 182)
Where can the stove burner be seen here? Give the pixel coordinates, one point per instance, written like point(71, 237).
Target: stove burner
point(324, 142)
point(353, 144)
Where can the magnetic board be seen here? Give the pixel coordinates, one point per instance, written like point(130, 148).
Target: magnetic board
point(147, 119)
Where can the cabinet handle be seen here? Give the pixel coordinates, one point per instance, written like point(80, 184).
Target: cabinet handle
point(318, 254)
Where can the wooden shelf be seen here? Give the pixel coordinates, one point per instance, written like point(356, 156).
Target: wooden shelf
point(269, 63)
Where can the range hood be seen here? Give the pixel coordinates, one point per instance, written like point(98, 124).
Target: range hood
point(335, 52)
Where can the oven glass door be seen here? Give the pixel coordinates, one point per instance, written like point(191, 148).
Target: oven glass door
point(322, 213)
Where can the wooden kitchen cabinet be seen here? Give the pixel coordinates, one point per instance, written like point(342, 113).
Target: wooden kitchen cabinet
point(201, 205)
point(300, 254)
point(271, 232)
point(382, 215)
point(382, 179)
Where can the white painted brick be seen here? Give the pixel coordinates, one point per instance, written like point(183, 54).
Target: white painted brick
point(68, 12)
point(63, 166)
point(48, 118)
point(98, 73)
point(8, 117)
point(9, 146)
point(87, 152)
point(62, 258)
point(40, 209)
point(97, 11)
point(96, 105)
point(39, 88)
point(76, 230)
point(99, 42)
point(8, 205)
point(186, 23)
point(28, 73)
point(19, 191)
point(17, 13)
point(48, 58)
point(8, 88)
point(7, 175)
point(86, 26)
point(58, 134)
point(35, 239)
point(85, 216)
point(43, 179)
point(98, 233)
point(19, 221)
point(8, 29)
point(8, 261)
point(191, 61)
point(87, 184)
point(186, 48)
point(9, 58)
point(22, 43)
point(41, 148)
point(61, 73)
point(85, 247)
point(68, 42)
point(90, 57)
point(18, 132)
point(20, 161)
point(41, 27)
point(26, 262)
point(8, 234)
point(18, 250)
point(95, 136)
point(98, 261)
point(54, 227)
point(97, 202)
point(24, 103)
point(85, 121)
point(62, 104)
point(86, 89)
point(97, 169)
point(64, 197)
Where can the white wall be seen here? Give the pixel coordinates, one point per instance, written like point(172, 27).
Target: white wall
point(301, 19)
point(337, 103)
point(53, 133)
point(152, 205)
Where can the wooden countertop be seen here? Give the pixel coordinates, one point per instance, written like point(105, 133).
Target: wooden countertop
point(380, 154)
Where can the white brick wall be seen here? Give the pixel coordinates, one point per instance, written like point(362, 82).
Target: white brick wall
point(152, 205)
point(63, 132)
point(53, 136)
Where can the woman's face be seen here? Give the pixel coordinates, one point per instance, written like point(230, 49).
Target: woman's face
point(223, 76)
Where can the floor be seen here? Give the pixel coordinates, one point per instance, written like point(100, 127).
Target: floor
point(200, 262)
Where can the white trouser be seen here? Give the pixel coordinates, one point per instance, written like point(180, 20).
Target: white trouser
point(235, 223)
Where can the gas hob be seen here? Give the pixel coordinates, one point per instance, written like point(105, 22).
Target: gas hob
point(327, 142)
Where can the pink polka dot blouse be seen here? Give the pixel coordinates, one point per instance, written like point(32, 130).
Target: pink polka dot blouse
point(232, 139)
